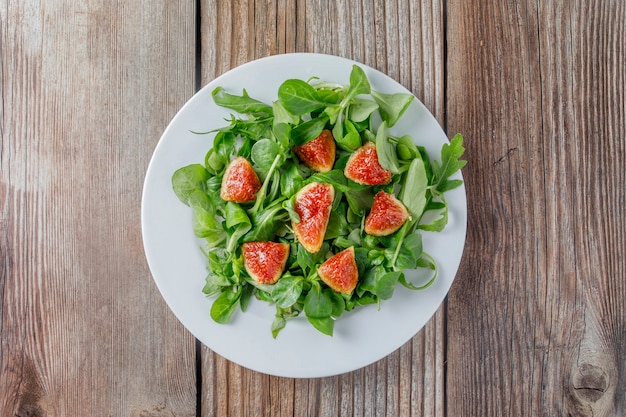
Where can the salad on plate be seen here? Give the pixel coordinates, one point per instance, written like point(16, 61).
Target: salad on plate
point(309, 203)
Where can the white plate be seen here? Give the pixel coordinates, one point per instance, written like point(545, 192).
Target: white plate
point(362, 336)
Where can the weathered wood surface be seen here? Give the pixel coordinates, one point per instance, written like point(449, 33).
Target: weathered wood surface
point(87, 89)
point(535, 323)
point(537, 318)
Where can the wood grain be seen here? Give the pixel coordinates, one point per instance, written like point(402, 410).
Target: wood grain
point(535, 323)
point(87, 89)
point(537, 315)
point(405, 40)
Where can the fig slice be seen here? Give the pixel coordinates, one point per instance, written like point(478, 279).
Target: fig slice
point(313, 203)
point(387, 215)
point(340, 272)
point(265, 261)
point(240, 182)
point(319, 153)
point(363, 167)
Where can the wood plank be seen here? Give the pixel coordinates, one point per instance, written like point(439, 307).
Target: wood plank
point(537, 319)
point(87, 89)
point(405, 39)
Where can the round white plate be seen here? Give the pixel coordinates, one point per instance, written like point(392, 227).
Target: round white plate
point(362, 336)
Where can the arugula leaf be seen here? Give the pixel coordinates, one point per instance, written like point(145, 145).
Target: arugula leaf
point(438, 224)
point(289, 207)
point(260, 195)
point(214, 282)
point(425, 262)
point(243, 104)
point(450, 164)
point(219, 273)
point(409, 253)
point(265, 223)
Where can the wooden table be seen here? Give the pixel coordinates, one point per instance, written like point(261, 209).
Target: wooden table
point(535, 323)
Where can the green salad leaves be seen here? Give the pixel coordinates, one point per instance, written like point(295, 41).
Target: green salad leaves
point(265, 134)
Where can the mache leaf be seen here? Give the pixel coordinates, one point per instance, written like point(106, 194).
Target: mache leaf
point(392, 106)
point(299, 97)
point(188, 179)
